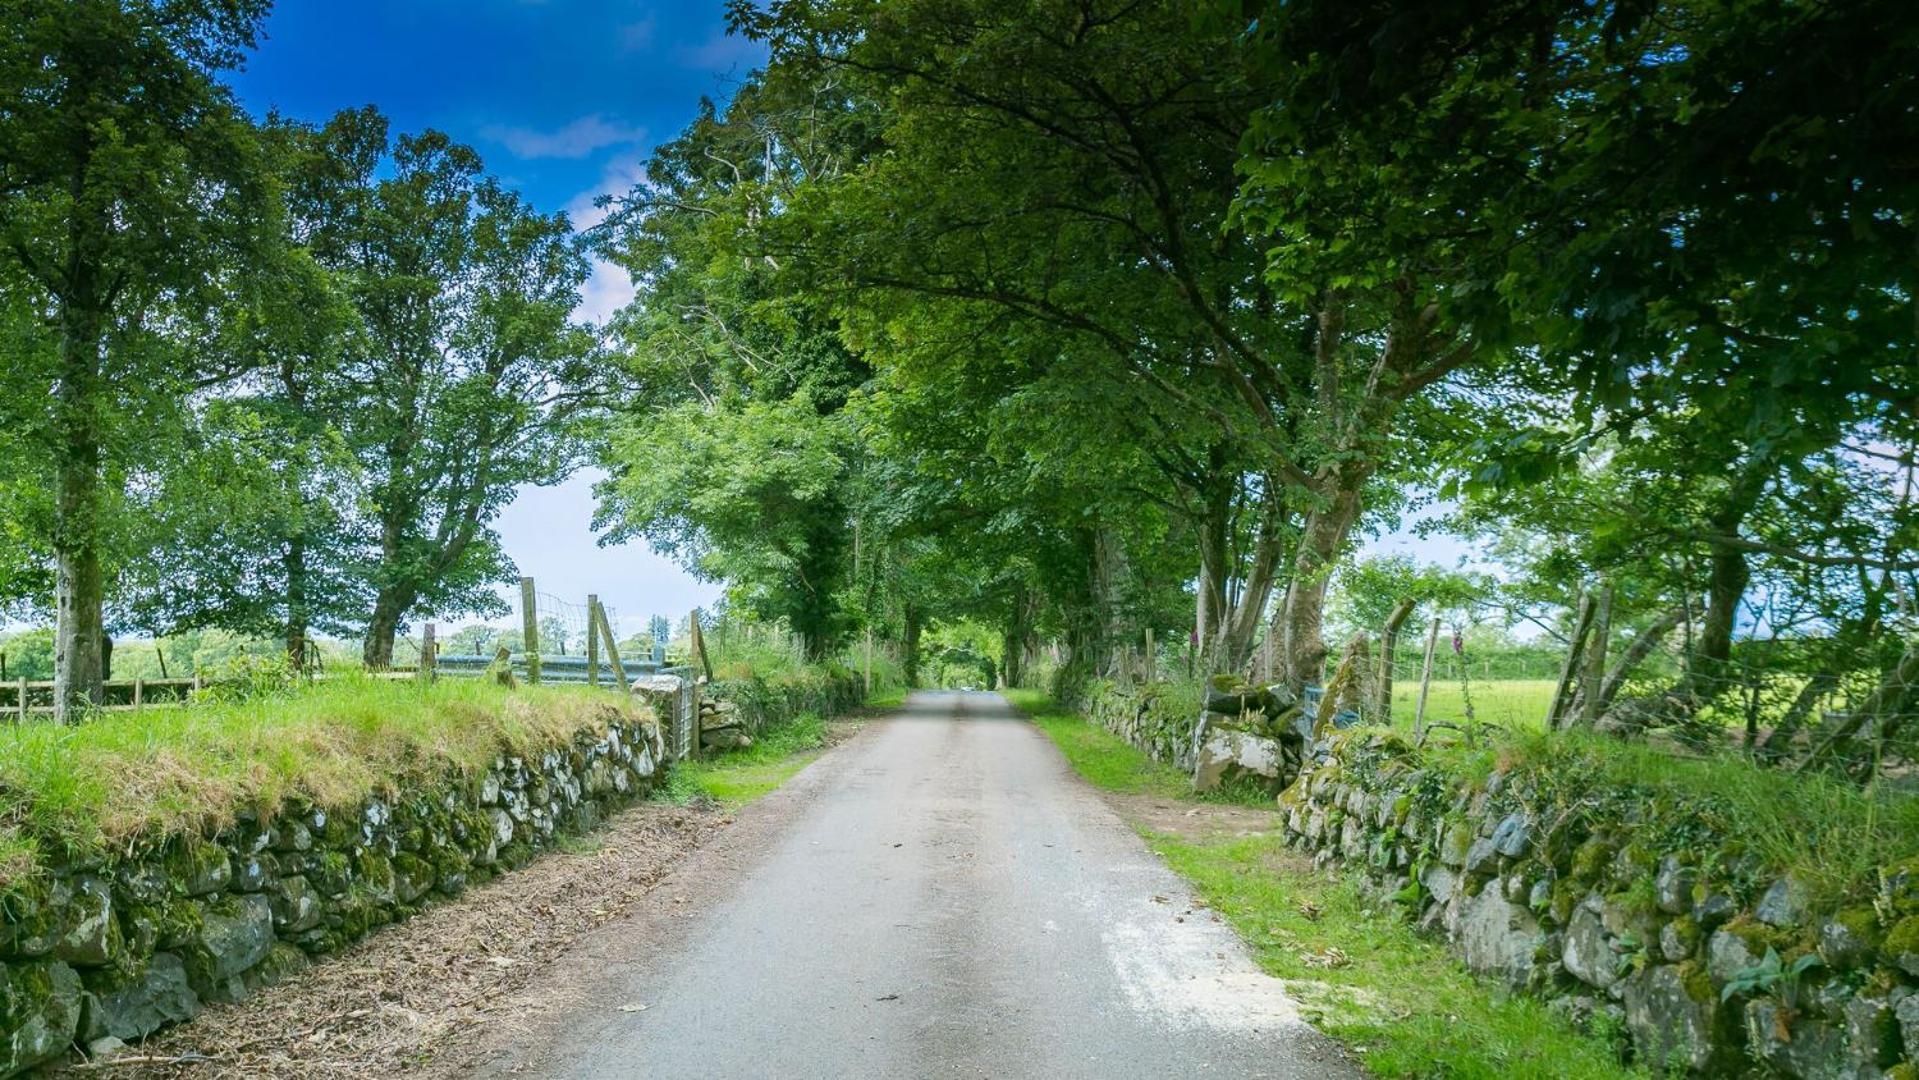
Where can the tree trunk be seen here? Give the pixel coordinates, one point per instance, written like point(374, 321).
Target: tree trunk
point(1388, 646)
point(1214, 570)
point(388, 608)
point(1302, 616)
point(1635, 654)
point(79, 577)
point(1895, 692)
point(910, 647)
point(294, 563)
point(1778, 741)
point(1013, 638)
point(1241, 626)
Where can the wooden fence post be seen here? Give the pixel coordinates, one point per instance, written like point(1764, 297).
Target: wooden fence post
point(139, 688)
point(699, 645)
point(592, 639)
point(1425, 679)
point(23, 699)
point(1595, 672)
point(869, 656)
point(530, 630)
point(1152, 659)
point(1575, 650)
point(1388, 645)
point(429, 655)
point(598, 616)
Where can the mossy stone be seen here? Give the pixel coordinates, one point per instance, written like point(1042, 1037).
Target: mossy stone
point(331, 872)
point(196, 867)
point(41, 1006)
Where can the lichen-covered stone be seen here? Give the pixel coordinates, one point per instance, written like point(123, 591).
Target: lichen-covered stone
point(1728, 957)
point(1906, 1012)
point(1679, 939)
point(235, 933)
point(1847, 940)
point(253, 870)
point(1513, 837)
point(1783, 905)
point(196, 867)
point(1795, 1044)
point(1455, 843)
point(1714, 910)
point(1588, 953)
point(1677, 1021)
point(40, 1005)
point(133, 1008)
point(90, 936)
point(1673, 885)
point(1498, 937)
point(1482, 858)
point(295, 905)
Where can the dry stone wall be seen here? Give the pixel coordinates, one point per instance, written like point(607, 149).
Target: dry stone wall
point(119, 949)
point(1626, 909)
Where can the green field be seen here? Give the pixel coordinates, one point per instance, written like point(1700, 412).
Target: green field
point(1517, 704)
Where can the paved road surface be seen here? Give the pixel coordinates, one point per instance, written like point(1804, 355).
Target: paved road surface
point(950, 900)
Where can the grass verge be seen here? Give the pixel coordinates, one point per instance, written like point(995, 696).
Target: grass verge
point(740, 776)
point(1403, 1004)
point(125, 778)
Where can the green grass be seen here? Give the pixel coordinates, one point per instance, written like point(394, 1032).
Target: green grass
point(1100, 756)
point(887, 698)
point(738, 777)
point(1401, 1001)
point(127, 778)
point(1514, 704)
point(1834, 837)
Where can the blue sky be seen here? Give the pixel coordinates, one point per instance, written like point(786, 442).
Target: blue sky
point(564, 99)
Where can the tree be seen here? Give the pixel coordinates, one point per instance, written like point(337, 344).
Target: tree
point(752, 496)
point(1071, 171)
point(256, 522)
point(732, 452)
point(465, 373)
point(128, 192)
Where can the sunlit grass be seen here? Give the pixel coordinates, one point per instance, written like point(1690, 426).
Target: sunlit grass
point(1514, 704)
point(126, 778)
point(736, 777)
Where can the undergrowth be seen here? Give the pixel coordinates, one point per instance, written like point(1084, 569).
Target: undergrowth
point(1830, 835)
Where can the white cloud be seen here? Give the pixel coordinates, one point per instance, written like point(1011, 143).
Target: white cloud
point(607, 290)
point(621, 175)
point(575, 140)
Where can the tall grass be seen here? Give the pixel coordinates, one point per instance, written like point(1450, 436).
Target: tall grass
point(132, 777)
point(1831, 835)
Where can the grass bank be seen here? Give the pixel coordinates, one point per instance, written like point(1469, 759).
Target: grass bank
point(737, 777)
point(1399, 1000)
point(132, 777)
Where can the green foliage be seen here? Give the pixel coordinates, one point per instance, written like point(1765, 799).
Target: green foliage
point(752, 496)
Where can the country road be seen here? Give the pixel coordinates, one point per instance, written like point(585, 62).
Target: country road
point(939, 896)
